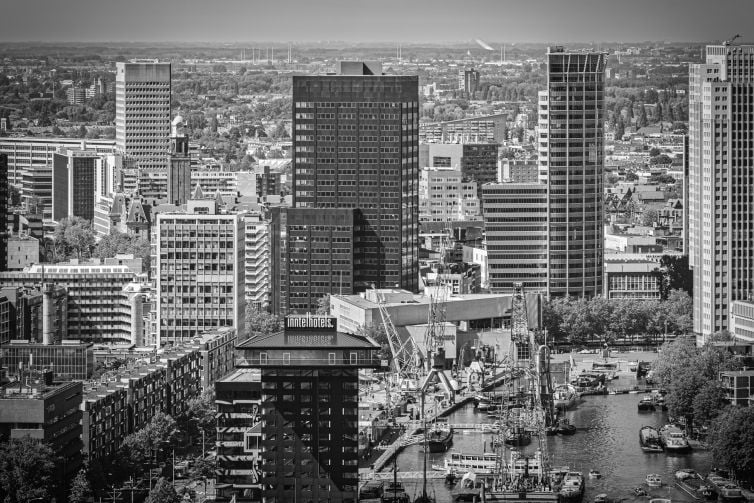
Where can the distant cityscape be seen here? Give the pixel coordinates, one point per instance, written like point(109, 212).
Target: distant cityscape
point(237, 274)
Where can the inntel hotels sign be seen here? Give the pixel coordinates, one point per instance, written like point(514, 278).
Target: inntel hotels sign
point(310, 330)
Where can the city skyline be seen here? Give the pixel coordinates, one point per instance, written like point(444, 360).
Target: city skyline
point(421, 21)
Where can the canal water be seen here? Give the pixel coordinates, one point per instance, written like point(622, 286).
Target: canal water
point(607, 440)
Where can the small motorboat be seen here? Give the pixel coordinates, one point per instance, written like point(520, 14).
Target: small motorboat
point(646, 403)
point(601, 498)
point(594, 474)
point(684, 474)
point(566, 428)
point(654, 480)
point(640, 491)
point(659, 500)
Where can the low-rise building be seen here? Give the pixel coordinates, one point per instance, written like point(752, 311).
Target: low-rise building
point(48, 411)
point(445, 196)
point(99, 309)
point(742, 321)
point(23, 251)
point(630, 277)
point(468, 312)
point(25, 305)
point(739, 386)
point(70, 360)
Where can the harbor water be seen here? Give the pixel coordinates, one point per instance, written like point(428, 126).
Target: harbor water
point(607, 440)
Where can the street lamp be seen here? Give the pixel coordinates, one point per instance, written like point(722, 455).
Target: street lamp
point(203, 433)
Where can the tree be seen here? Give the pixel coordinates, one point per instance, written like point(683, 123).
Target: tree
point(118, 242)
point(709, 402)
point(74, 238)
point(620, 128)
point(82, 131)
point(201, 414)
point(654, 152)
point(163, 492)
point(26, 470)
point(631, 176)
point(81, 491)
point(259, 322)
point(142, 445)
point(731, 438)
point(674, 274)
point(323, 305)
point(649, 216)
point(661, 159)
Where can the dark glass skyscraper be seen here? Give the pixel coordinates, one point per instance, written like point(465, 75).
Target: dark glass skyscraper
point(3, 212)
point(571, 161)
point(356, 145)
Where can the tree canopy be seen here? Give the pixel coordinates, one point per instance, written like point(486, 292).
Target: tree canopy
point(26, 471)
point(690, 375)
point(74, 238)
point(576, 321)
point(118, 242)
point(731, 439)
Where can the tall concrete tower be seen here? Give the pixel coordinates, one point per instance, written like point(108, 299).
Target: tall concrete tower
point(721, 184)
point(142, 111)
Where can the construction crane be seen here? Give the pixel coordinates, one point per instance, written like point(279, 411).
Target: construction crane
point(731, 40)
point(406, 355)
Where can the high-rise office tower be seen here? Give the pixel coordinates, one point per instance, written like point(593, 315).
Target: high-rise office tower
point(311, 255)
point(515, 223)
point(179, 171)
point(721, 184)
point(74, 184)
point(355, 139)
point(571, 161)
point(3, 212)
point(468, 80)
point(142, 111)
point(199, 271)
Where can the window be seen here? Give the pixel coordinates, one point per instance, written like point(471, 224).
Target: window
point(286, 358)
point(263, 358)
point(331, 358)
point(354, 358)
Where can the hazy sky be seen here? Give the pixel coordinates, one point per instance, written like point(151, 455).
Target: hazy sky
point(375, 20)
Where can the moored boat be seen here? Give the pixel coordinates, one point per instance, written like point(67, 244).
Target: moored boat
point(725, 489)
point(649, 438)
point(517, 436)
point(693, 484)
point(565, 427)
point(573, 486)
point(565, 396)
point(653, 480)
point(393, 492)
point(371, 492)
point(673, 439)
point(439, 437)
point(594, 474)
point(646, 403)
point(481, 464)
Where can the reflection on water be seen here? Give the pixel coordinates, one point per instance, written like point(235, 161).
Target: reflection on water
point(607, 441)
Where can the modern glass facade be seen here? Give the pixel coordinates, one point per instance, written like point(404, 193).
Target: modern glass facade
point(571, 146)
point(312, 255)
point(355, 141)
point(70, 361)
point(515, 222)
